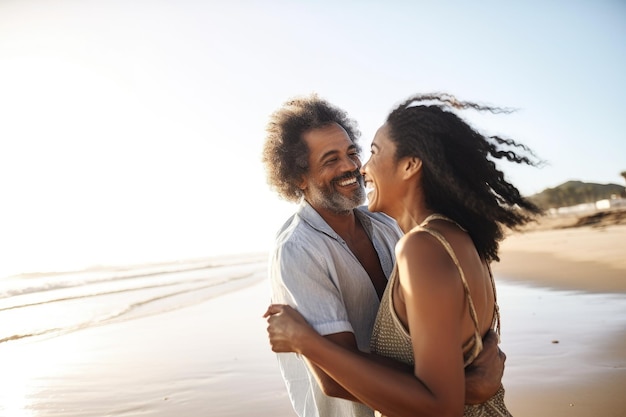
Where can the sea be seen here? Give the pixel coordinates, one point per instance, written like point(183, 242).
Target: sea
point(36, 305)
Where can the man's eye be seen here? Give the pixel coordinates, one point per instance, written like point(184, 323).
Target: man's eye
point(330, 161)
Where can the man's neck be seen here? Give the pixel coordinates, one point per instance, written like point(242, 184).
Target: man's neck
point(344, 223)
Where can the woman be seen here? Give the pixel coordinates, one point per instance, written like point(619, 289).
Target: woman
point(432, 173)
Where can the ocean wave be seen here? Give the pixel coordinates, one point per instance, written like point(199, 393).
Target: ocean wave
point(29, 283)
point(56, 306)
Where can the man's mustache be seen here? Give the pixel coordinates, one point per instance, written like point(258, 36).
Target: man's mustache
point(354, 174)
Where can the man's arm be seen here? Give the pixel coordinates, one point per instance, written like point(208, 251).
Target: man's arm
point(483, 377)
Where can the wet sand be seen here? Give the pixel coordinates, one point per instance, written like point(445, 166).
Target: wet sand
point(573, 362)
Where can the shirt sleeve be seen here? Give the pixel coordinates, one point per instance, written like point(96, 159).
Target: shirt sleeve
point(304, 278)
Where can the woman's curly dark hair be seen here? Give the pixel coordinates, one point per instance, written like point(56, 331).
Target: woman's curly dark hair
point(285, 154)
point(460, 177)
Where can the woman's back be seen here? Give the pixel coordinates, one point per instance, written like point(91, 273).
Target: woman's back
point(395, 333)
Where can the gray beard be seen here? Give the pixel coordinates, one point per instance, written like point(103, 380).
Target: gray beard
point(336, 202)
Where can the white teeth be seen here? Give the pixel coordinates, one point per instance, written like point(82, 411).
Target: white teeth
point(347, 182)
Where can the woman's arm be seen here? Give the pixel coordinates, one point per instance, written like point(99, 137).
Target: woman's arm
point(364, 378)
point(431, 292)
point(346, 340)
point(482, 378)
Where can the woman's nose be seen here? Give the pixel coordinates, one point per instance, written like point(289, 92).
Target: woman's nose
point(364, 167)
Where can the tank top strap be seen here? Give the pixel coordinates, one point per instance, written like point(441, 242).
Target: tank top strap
point(495, 324)
point(496, 316)
point(478, 340)
point(437, 216)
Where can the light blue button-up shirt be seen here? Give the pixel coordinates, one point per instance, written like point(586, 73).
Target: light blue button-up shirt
point(312, 269)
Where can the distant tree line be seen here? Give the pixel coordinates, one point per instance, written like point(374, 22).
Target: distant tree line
point(573, 193)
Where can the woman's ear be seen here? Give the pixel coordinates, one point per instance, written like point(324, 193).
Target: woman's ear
point(412, 166)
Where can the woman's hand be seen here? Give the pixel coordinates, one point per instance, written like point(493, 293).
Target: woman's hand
point(287, 329)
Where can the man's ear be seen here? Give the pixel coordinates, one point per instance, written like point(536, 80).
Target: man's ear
point(303, 184)
point(412, 166)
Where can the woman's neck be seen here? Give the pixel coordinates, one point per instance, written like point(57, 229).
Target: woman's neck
point(411, 218)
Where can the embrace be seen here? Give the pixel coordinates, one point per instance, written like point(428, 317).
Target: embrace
point(391, 309)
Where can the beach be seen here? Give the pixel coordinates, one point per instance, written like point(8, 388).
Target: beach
point(571, 362)
point(562, 294)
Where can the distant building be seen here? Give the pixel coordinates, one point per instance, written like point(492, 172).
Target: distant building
point(610, 203)
point(606, 204)
point(578, 208)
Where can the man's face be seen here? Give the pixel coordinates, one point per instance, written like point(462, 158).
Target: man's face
point(333, 182)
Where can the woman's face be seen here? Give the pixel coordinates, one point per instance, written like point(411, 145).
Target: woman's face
point(380, 173)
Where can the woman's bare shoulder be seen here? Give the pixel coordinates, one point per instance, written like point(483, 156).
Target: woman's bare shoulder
point(419, 253)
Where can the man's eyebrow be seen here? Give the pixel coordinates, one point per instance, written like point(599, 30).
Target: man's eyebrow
point(334, 152)
point(328, 154)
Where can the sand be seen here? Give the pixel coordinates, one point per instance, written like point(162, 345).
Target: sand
point(584, 258)
point(213, 359)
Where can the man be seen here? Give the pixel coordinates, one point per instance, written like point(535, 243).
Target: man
point(332, 258)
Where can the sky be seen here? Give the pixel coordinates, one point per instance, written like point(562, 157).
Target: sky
point(131, 130)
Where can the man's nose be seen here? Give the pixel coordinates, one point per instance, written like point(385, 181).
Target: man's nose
point(350, 164)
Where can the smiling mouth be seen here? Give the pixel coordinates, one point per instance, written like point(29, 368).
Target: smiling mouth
point(349, 179)
point(347, 182)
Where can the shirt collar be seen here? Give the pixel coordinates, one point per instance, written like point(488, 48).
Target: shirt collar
point(315, 220)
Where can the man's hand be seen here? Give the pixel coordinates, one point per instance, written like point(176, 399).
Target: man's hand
point(483, 377)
